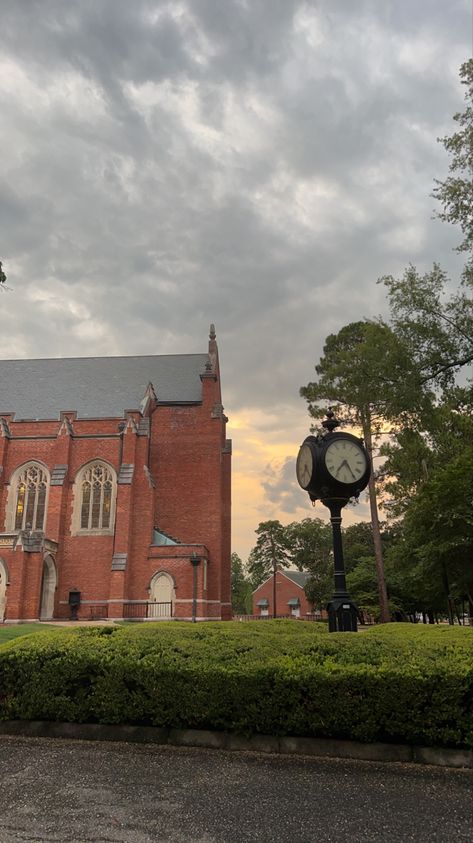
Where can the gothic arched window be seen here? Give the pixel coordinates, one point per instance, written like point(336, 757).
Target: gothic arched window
point(96, 491)
point(31, 488)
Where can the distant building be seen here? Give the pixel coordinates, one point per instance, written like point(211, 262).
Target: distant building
point(114, 488)
point(290, 595)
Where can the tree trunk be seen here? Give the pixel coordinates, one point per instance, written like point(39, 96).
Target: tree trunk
point(275, 568)
point(446, 587)
point(470, 607)
point(378, 550)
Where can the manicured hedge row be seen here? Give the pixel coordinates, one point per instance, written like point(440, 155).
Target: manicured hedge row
point(397, 683)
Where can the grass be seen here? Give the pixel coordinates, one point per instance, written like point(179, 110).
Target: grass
point(9, 632)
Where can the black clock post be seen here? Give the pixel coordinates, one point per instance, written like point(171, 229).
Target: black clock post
point(333, 468)
point(342, 612)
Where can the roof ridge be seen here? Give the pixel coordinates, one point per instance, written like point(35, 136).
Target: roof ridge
point(102, 357)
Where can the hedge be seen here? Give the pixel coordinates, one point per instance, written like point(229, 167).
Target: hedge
point(398, 683)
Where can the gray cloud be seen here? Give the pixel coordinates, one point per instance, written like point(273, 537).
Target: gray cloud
point(256, 164)
point(280, 488)
point(284, 494)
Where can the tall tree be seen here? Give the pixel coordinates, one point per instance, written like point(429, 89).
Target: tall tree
point(272, 549)
point(438, 532)
point(435, 327)
point(367, 375)
point(413, 455)
point(3, 277)
point(455, 193)
point(241, 587)
point(357, 544)
point(310, 543)
point(362, 585)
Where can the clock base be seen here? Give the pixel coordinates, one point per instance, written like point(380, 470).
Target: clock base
point(342, 615)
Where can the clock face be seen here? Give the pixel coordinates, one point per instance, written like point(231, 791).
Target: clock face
point(304, 466)
point(345, 461)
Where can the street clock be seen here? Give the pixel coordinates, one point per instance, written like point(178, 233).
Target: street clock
point(333, 468)
point(335, 465)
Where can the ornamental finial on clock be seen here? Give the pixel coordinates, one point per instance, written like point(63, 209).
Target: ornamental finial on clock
point(330, 423)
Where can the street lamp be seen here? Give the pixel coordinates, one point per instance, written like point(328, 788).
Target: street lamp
point(195, 562)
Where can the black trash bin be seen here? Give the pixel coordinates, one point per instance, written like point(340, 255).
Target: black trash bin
point(74, 603)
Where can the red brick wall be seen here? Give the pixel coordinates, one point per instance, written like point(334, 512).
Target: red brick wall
point(285, 591)
point(186, 492)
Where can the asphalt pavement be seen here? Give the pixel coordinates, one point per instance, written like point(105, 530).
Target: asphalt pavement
point(77, 791)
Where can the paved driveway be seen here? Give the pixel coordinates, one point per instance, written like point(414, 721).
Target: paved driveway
point(75, 792)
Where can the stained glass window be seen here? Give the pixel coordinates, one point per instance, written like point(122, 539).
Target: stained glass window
point(31, 498)
point(96, 501)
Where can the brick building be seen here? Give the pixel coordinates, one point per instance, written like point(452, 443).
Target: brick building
point(114, 488)
point(290, 595)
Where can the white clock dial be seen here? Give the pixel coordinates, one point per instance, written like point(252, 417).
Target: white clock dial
point(304, 466)
point(345, 461)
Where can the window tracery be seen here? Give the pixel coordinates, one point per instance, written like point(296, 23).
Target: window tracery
point(31, 488)
point(96, 491)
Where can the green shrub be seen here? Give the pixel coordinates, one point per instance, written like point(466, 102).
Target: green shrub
point(393, 683)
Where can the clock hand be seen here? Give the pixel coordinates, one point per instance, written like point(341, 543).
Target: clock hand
point(344, 462)
point(350, 470)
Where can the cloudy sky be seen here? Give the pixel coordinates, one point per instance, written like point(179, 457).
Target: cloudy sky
point(253, 163)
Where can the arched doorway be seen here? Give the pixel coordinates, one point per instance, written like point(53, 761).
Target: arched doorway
point(3, 590)
point(48, 589)
point(161, 595)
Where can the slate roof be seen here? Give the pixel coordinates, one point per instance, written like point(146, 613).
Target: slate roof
point(97, 387)
point(298, 577)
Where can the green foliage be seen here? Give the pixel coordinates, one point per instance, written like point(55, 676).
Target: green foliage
point(456, 192)
point(396, 683)
point(428, 483)
point(310, 541)
point(3, 277)
point(408, 460)
point(438, 527)
point(357, 544)
point(366, 373)
point(435, 328)
point(362, 586)
point(429, 569)
point(272, 548)
point(241, 588)
point(413, 455)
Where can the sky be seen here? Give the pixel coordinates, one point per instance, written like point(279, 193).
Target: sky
point(257, 164)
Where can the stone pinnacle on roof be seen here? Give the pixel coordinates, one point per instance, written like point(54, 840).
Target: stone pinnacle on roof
point(213, 353)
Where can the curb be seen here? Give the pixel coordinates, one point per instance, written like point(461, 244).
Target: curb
point(316, 747)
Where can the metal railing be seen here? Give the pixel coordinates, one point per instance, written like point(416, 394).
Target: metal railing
point(159, 610)
point(96, 612)
point(147, 609)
